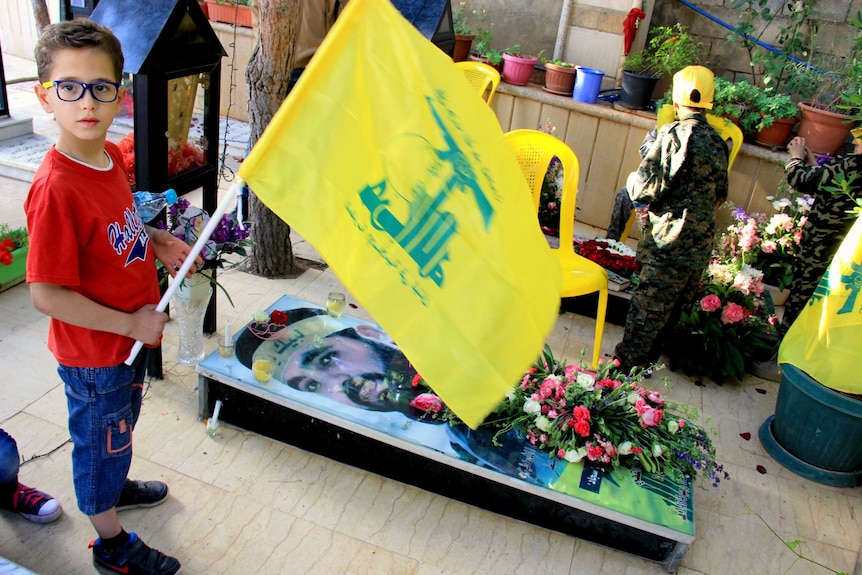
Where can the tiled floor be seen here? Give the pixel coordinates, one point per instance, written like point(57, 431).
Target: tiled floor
point(244, 504)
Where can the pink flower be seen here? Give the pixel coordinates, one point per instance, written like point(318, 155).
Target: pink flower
point(733, 313)
point(710, 303)
point(651, 417)
point(427, 402)
point(417, 379)
point(748, 237)
point(768, 246)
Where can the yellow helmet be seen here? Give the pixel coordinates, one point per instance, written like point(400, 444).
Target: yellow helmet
point(694, 86)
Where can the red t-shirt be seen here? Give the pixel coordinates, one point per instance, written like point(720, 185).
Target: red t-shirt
point(85, 234)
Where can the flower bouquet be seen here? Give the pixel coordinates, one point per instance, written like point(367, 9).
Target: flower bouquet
point(605, 417)
point(768, 243)
point(186, 222)
point(611, 255)
point(727, 326)
point(268, 325)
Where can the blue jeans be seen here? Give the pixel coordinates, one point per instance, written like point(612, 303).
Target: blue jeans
point(104, 405)
point(9, 459)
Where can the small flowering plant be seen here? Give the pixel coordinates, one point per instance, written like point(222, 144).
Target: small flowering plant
point(11, 240)
point(727, 326)
point(268, 325)
point(768, 242)
point(186, 222)
point(605, 416)
point(187, 157)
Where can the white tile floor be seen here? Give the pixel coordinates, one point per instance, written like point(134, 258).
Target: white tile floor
point(244, 504)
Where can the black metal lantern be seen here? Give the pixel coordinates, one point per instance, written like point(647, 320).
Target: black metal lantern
point(433, 18)
point(174, 57)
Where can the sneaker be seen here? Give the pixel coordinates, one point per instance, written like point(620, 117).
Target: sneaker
point(135, 558)
point(33, 505)
point(137, 494)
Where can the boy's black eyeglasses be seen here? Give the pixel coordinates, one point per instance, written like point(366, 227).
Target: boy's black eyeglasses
point(72, 90)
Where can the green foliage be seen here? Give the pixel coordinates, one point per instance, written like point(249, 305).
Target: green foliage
point(460, 20)
point(750, 106)
point(558, 62)
point(514, 50)
point(770, 69)
point(17, 235)
point(669, 49)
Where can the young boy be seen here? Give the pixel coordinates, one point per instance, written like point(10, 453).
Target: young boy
point(683, 178)
point(92, 268)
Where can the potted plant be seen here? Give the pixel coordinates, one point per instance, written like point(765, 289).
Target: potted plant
point(559, 77)
point(236, 12)
point(777, 113)
point(14, 246)
point(816, 431)
point(828, 89)
point(517, 67)
point(463, 33)
point(669, 49)
point(484, 52)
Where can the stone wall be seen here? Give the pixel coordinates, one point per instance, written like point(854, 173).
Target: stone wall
point(731, 59)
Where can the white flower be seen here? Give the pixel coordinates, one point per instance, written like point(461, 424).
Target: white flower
point(625, 448)
point(673, 426)
point(260, 316)
point(575, 455)
point(586, 380)
point(532, 406)
point(657, 450)
point(543, 423)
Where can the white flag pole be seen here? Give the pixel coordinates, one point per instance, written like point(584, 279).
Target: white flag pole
point(208, 230)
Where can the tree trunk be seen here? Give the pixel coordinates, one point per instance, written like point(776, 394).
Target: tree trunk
point(40, 12)
point(267, 75)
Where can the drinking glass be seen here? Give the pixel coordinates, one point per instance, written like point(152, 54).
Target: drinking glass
point(335, 304)
point(263, 367)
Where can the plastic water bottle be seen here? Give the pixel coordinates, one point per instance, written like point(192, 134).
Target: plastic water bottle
point(149, 204)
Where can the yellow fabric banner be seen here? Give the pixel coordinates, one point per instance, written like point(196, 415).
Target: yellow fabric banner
point(824, 340)
point(388, 162)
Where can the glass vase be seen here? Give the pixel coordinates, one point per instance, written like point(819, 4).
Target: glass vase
point(189, 304)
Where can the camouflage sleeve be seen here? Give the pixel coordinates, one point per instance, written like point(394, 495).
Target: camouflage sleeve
point(812, 179)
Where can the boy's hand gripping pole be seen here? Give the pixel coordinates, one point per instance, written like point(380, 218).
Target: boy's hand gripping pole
point(208, 230)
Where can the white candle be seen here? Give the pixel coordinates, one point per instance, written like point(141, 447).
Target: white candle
point(227, 335)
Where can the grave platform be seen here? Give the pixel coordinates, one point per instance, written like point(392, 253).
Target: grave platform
point(627, 509)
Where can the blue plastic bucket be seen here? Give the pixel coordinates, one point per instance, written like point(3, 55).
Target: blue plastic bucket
point(588, 82)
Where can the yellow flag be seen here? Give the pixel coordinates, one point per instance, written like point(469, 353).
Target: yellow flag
point(388, 162)
point(824, 340)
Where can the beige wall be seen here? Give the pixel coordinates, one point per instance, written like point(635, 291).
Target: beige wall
point(606, 142)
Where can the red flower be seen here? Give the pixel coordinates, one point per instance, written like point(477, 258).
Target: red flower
point(427, 402)
point(278, 317)
point(582, 428)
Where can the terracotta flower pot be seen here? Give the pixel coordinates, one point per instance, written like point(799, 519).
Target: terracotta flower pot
point(463, 43)
point(824, 132)
point(777, 134)
point(559, 79)
point(517, 70)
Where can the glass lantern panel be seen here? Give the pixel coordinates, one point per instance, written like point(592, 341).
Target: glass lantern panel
point(187, 142)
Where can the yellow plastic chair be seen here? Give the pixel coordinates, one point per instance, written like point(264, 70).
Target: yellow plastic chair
point(535, 150)
point(725, 128)
point(482, 77)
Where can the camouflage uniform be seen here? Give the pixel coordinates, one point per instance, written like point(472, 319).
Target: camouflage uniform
point(683, 178)
point(828, 223)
